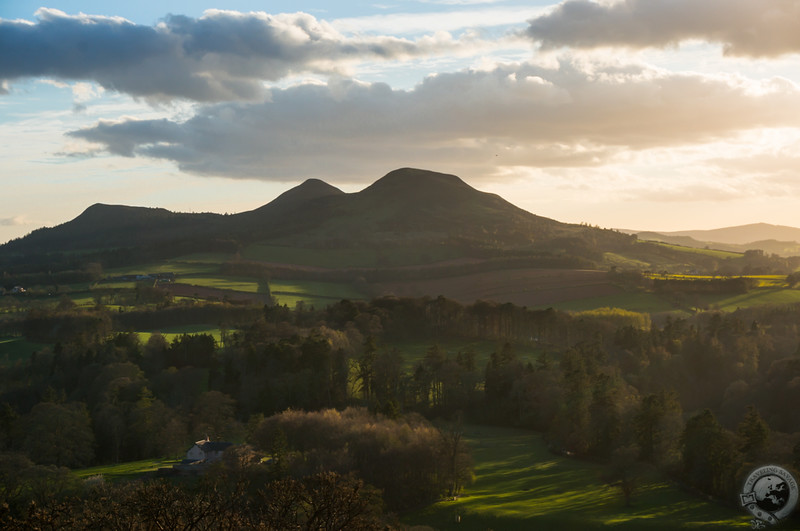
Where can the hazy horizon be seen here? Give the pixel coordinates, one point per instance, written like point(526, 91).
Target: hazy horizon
point(657, 115)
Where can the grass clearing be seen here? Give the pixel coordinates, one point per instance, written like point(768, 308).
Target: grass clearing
point(125, 471)
point(521, 485)
point(14, 349)
point(172, 332)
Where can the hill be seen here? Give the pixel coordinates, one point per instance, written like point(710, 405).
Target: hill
point(410, 224)
point(772, 239)
point(407, 207)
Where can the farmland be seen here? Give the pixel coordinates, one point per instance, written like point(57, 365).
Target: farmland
point(311, 293)
point(348, 258)
point(523, 287)
point(520, 484)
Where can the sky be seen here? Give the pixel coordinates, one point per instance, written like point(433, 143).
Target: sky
point(637, 114)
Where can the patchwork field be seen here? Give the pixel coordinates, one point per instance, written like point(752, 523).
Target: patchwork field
point(521, 485)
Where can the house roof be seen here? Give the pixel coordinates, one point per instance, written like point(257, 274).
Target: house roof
point(213, 446)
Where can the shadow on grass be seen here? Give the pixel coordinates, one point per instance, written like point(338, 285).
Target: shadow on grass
point(522, 485)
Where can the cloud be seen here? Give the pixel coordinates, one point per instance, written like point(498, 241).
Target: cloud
point(474, 122)
point(751, 28)
point(221, 56)
point(14, 221)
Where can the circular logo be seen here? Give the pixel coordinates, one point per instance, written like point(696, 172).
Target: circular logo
point(770, 494)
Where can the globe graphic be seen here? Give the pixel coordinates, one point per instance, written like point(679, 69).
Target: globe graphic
point(772, 493)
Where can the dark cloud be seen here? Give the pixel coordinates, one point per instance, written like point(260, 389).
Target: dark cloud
point(754, 28)
point(471, 122)
point(221, 56)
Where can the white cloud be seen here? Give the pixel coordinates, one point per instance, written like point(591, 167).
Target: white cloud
point(471, 122)
point(751, 28)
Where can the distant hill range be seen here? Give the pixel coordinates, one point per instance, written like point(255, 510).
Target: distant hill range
point(773, 239)
point(407, 208)
point(410, 218)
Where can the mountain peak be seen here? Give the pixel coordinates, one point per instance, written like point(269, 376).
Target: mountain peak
point(418, 185)
point(407, 177)
point(308, 190)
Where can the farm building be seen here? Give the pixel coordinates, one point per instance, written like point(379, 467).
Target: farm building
point(206, 450)
point(200, 455)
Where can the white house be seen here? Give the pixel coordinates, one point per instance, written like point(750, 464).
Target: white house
point(206, 451)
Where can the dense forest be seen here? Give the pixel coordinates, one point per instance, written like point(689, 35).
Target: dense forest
point(701, 399)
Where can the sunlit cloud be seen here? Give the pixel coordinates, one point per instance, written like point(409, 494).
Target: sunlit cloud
point(575, 115)
point(763, 28)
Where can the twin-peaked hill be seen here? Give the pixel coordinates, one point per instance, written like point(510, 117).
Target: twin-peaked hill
point(407, 208)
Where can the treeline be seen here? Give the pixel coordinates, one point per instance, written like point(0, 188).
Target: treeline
point(408, 459)
point(701, 398)
point(238, 493)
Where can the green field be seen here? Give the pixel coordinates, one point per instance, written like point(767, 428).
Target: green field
point(13, 349)
point(311, 293)
point(170, 266)
point(171, 332)
point(243, 284)
point(130, 470)
point(637, 301)
point(521, 485)
point(756, 297)
point(345, 258)
point(714, 253)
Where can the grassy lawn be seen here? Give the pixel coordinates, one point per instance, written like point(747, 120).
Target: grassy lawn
point(130, 470)
point(520, 485)
point(13, 349)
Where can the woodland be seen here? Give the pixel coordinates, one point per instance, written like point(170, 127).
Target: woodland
point(329, 410)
